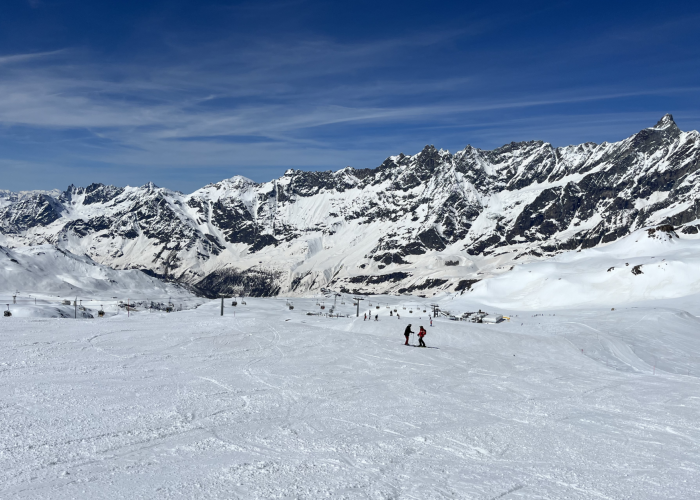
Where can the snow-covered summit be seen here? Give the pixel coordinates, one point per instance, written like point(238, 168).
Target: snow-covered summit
point(665, 122)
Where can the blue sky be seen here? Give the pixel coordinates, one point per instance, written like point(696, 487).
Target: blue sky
point(183, 93)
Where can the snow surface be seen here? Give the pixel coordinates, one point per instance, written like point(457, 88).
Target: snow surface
point(267, 402)
point(669, 265)
point(35, 281)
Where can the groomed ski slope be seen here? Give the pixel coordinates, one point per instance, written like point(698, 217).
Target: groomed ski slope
point(272, 403)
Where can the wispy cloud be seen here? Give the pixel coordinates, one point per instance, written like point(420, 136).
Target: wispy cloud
point(306, 102)
point(20, 58)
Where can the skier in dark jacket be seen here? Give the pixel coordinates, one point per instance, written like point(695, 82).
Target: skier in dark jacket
point(407, 333)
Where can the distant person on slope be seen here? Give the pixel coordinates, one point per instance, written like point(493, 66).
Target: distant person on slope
point(407, 333)
point(421, 334)
point(365, 317)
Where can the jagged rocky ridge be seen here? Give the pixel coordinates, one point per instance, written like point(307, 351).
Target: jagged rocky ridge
point(416, 224)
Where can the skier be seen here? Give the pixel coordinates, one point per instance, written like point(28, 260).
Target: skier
point(431, 321)
point(397, 315)
point(376, 317)
point(365, 317)
point(407, 333)
point(421, 334)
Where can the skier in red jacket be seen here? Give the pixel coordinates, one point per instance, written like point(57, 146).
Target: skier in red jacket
point(421, 334)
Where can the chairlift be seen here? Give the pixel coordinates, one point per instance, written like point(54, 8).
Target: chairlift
point(100, 313)
point(7, 313)
point(377, 307)
point(395, 310)
point(234, 303)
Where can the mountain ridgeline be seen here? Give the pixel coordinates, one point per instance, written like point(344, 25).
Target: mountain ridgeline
point(418, 224)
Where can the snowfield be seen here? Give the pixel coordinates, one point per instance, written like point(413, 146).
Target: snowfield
point(646, 265)
point(36, 281)
point(272, 403)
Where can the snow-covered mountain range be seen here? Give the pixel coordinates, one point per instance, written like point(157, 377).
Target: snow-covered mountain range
point(421, 224)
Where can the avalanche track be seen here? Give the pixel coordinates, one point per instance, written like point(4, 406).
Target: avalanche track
point(272, 403)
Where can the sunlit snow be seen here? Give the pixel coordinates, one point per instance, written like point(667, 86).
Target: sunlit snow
point(268, 402)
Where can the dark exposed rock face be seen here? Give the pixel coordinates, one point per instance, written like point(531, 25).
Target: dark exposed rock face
point(465, 285)
point(529, 198)
point(427, 284)
point(35, 211)
point(384, 278)
point(236, 282)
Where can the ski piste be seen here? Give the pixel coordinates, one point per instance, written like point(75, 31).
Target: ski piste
point(274, 402)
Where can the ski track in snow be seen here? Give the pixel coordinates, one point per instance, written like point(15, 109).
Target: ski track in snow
point(272, 403)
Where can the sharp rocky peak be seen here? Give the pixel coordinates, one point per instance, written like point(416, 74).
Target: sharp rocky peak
point(665, 122)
